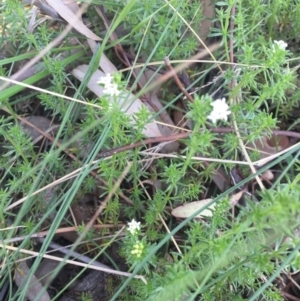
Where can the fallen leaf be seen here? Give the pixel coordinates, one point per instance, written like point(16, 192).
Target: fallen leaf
point(72, 5)
point(46, 270)
point(208, 12)
point(187, 210)
point(267, 175)
point(234, 199)
point(221, 179)
point(271, 146)
point(44, 8)
point(66, 13)
point(23, 276)
point(41, 123)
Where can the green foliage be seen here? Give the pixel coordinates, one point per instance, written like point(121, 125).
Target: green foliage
point(232, 253)
point(149, 18)
point(86, 297)
point(224, 257)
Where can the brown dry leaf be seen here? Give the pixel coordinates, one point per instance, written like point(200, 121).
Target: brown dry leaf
point(72, 5)
point(268, 175)
point(220, 178)
point(66, 13)
point(208, 12)
point(35, 287)
point(41, 123)
point(234, 199)
point(46, 269)
point(187, 210)
point(270, 146)
point(44, 8)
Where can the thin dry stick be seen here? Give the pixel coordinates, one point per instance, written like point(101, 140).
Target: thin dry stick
point(113, 37)
point(177, 80)
point(57, 231)
point(242, 145)
point(167, 229)
point(291, 297)
point(94, 174)
point(190, 61)
point(67, 251)
point(182, 66)
point(163, 155)
point(108, 154)
point(48, 48)
point(292, 279)
point(269, 158)
point(24, 251)
point(67, 177)
point(103, 204)
point(233, 84)
point(162, 220)
point(48, 92)
point(209, 50)
point(256, 163)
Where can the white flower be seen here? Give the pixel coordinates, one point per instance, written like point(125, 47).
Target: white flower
point(281, 44)
point(220, 110)
point(106, 80)
point(134, 227)
point(109, 87)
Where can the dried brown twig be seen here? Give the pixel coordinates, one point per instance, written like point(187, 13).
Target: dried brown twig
point(177, 80)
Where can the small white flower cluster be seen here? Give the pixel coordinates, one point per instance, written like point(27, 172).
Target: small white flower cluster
point(281, 45)
point(138, 248)
point(110, 87)
point(220, 110)
point(134, 227)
